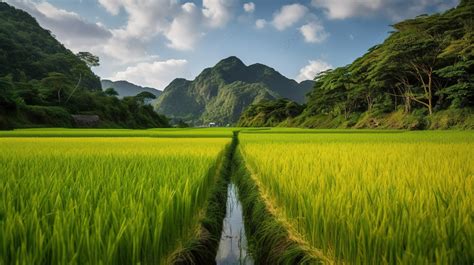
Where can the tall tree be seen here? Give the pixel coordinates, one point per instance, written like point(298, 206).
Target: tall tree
point(90, 59)
point(56, 83)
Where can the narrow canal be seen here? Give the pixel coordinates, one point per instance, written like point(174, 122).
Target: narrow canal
point(233, 244)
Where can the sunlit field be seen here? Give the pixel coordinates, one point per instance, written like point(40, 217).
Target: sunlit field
point(160, 133)
point(91, 196)
point(102, 200)
point(368, 198)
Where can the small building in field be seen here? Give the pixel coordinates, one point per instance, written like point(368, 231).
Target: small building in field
point(86, 120)
point(212, 124)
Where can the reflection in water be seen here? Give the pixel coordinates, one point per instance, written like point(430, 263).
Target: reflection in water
point(233, 244)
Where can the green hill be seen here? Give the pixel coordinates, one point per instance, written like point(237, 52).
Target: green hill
point(127, 89)
point(220, 93)
point(421, 76)
point(43, 84)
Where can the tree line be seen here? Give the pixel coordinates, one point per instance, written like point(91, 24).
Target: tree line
point(422, 70)
point(42, 83)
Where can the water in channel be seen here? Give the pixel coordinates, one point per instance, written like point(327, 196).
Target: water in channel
point(233, 245)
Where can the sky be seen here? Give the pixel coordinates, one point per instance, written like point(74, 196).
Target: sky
point(151, 42)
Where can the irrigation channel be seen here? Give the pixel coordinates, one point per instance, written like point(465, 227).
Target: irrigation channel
point(233, 244)
point(236, 210)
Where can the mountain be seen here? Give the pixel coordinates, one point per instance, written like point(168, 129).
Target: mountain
point(220, 93)
point(28, 52)
point(420, 77)
point(127, 89)
point(43, 84)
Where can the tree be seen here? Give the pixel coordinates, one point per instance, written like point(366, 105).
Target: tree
point(417, 56)
point(145, 95)
point(181, 124)
point(111, 92)
point(90, 59)
point(55, 82)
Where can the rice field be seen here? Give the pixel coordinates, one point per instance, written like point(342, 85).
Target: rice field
point(93, 196)
point(370, 198)
point(102, 200)
point(160, 133)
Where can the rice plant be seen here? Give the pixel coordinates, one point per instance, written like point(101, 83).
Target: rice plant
point(102, 200)
point(366, 198)
point(160, 132)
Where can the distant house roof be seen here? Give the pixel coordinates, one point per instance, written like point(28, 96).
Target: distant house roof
point(86, 120)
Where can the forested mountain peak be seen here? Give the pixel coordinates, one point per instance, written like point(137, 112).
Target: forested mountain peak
point(220, 93)
point(229, 63)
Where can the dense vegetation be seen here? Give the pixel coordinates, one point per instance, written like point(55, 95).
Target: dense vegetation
point(42, 83)
point(352, 196)
point(220, 94)
point(362, 198)
point(422, 76)
point(269, 113)
point(103, 200)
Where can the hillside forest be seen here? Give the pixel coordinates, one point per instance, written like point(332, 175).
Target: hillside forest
point(42, 84)
point(421, 76)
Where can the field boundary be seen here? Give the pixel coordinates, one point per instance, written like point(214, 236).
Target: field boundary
point(203, 248)
point(270, 240)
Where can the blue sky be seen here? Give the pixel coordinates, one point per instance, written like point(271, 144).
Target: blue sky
point(151, 42)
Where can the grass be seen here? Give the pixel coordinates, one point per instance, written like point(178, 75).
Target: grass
point(203, 248)
point(369, 198)
point(270, 239)
point(102, 200)
point(92, 196)
point(284, 130)
point(161, 133)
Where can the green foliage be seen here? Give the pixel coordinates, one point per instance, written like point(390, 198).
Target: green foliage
point(270, 113)
point(181, 124)
point(142, 96)
point(221, 93)
point(90, 59)
point(42, 83)
point(425, 66)
point(48, 116)
point(29, 52)
point(111, 92)
point(360, 198)
point(103, 200)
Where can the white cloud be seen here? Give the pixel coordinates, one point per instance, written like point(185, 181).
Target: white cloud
point(156, 74)
point(260, 23)
point(340, 9)
point(217, 12)
point(76, 33)
point(127, 47)
point(146, 18)
point(182, 34)
point(288, 15)
point(313, 68)
point(314, 32)
point(182, 25)
point(112, 6)
point(249, 7)
point(395, 9)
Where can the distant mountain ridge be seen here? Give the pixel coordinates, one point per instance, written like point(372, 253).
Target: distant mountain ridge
point(221, 93)
point(127, 89)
